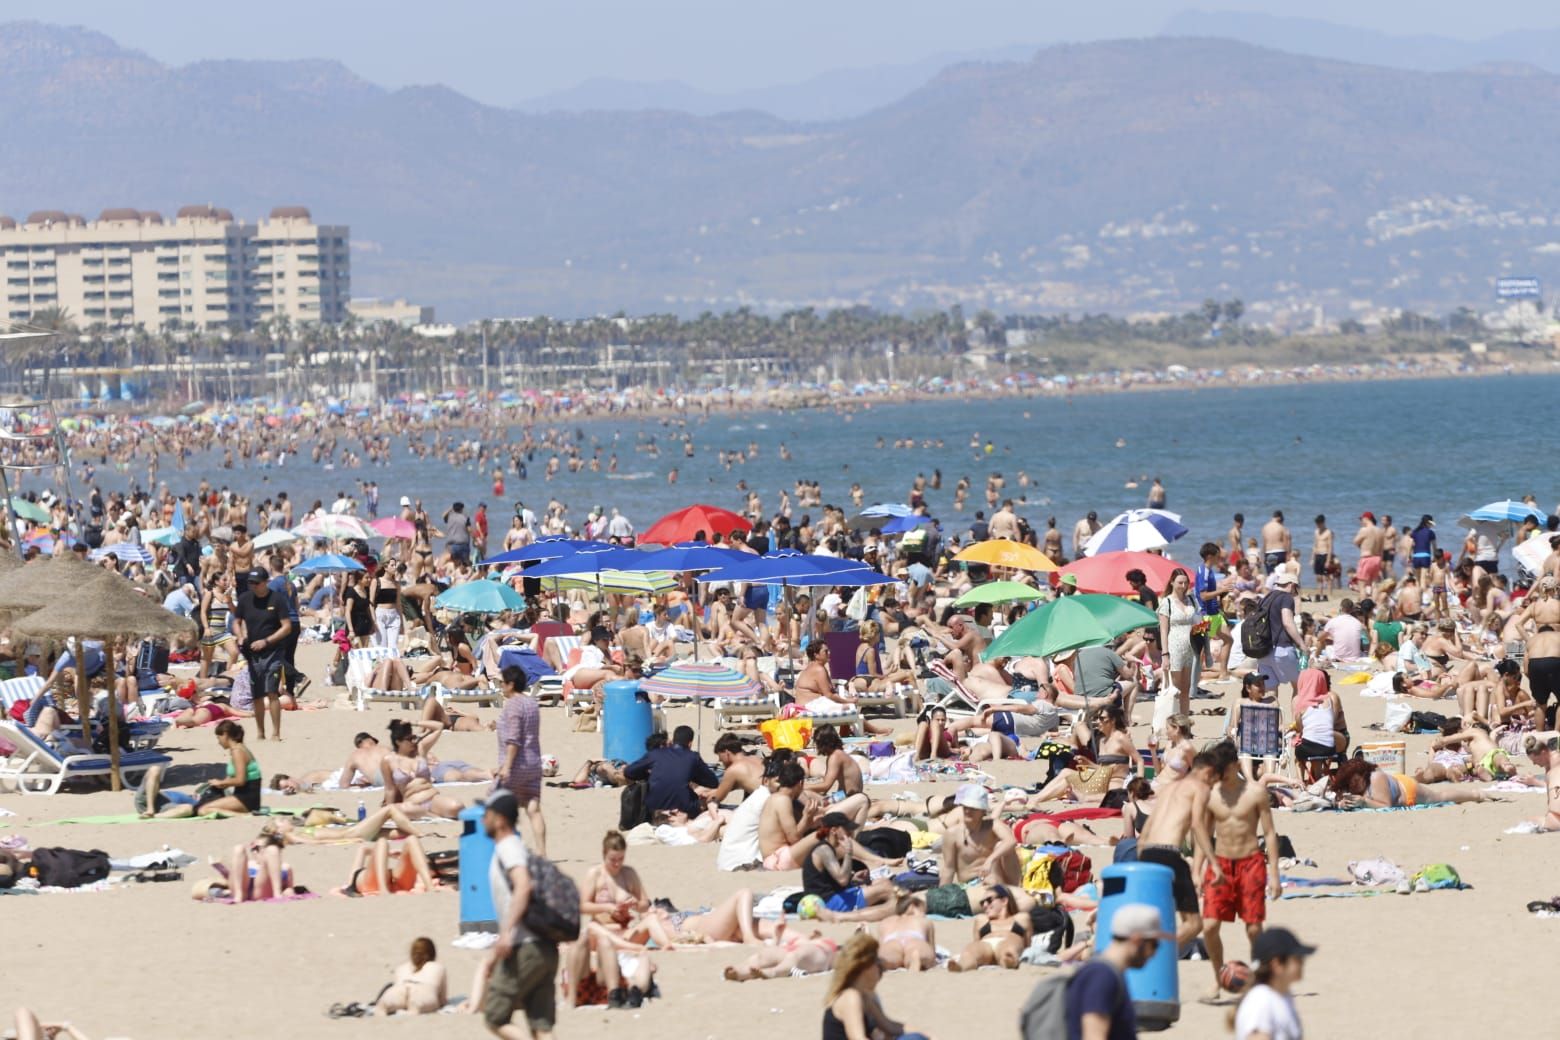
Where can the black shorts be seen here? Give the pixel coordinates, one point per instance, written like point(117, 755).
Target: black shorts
point(1182, 887)
point(1544, 679)
point(265, 671)
point(1272, 560)
point(1319, 565)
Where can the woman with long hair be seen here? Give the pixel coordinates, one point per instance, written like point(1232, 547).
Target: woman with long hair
point(239, 789)
point(420, 984)
point(852, 1010)
point(1177, 615)
point(1359, 784)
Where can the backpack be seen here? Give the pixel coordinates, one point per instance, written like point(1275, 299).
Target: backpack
point(1044, 1014)
point(631, 805)
point(1052, 927)
point(553, 915)
point(1256, 632)
point(69, 868)
point(1073, 870)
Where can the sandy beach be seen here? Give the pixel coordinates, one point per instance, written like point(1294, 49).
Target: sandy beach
point(145, 961)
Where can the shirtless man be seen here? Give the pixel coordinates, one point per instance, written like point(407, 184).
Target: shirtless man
point(1541, 751)
point(788, 827)
point(241, 554)
point(1370, 540)
point(1236, 536)
point(1083, 530)
point(740, 770)
point(1276, 542)
point(1181, 807)
point(976, 847)
point(1237, 808)
point(1541, 609)
point(365, 765)
point(963, 641)
point(1322, 557)
point(834, 767)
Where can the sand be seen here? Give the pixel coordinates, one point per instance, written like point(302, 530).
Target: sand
point(145, 961)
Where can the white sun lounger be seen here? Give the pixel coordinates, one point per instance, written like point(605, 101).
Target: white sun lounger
point(362, 661)
point(36, 768)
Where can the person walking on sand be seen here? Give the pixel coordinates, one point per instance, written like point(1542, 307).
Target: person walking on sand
point(1237, 808)
point(262, 626)
point(1267, 1011)
point(520, 751)
point(524, 966)
point(1181, 808)
point(1098, 1004)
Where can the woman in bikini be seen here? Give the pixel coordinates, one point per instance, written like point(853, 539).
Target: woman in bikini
point(408, 775)
point(214, 709)
point(1359, 784)
point(420, 985)
point(870, 676)
point(906, 938)
point(794, 954)
point(377, 870)
point(1000, 933)
point(1114, 752)
point(1541, 620)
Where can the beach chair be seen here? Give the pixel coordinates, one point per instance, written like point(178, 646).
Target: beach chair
point(22, 688)
point(1260, 733)
point(361, 663)
point(743, 712)
point(958, 700)
point(549, 688)
point(36, 768)
point(482, 696)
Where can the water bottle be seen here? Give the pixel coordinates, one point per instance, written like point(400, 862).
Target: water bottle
point(362, 809)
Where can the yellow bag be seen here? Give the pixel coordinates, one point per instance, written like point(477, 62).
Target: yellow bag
point(1037, 874)
point(786, 733)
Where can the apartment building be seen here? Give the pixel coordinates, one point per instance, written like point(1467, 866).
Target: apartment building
point(201, 269)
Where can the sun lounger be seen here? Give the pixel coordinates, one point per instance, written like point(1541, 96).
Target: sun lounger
point(743, 712)
point(22, 688)
point(482, 695)
point(550, 687)
point(36, 768)
point(891, 702)
point(361, 664)
point(958, 700)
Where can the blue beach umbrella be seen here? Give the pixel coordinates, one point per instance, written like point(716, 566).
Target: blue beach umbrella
point(1506, 511)
point(1136, 530)
point(887, 509)
point(328, 563)
point(127, 552)
point(480, 597)
point(905, 524)
point(546, 549)
point(588, 561)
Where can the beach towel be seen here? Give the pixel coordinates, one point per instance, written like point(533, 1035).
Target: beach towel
point(130, 818)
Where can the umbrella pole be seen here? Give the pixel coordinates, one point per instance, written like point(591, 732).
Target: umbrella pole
point(115, 783)
point(83, 700)
point(698, 623)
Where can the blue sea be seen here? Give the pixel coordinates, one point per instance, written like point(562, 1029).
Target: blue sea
point(1438, 446)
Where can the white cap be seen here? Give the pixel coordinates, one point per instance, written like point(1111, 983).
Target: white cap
point(973, 796)
point(1135, 920)
point(406, 500)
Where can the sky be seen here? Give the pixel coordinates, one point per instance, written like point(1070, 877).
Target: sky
point(504, 51)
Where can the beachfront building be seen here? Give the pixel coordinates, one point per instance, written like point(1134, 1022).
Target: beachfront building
point(398, 311)
point(202, 269)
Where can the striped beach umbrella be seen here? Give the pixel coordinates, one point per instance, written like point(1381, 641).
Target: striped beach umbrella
point(633, 583)
point(125, 552)
point(700, 681)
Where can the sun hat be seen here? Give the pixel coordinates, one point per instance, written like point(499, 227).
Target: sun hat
point(1139, 920)
point(973, 796)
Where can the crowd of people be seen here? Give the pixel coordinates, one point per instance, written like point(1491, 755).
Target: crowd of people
point(1435, 627)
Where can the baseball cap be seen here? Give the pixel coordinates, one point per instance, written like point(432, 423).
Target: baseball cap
point(837, 819)
point(503, 802)
point(258, 575)
point(1135, 920)
point(1275, 942)
point(1368, 515)
point(973, 796)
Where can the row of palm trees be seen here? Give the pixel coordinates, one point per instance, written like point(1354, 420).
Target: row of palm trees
point(742, 346)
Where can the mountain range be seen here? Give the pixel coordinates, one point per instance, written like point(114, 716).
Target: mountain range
point(1140, 175)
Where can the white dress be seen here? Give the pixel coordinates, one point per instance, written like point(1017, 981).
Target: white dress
point(1182, 618)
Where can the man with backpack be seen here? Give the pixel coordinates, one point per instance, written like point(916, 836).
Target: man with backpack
point(526, 964)
point(1272, 637)
point(1093, 1002)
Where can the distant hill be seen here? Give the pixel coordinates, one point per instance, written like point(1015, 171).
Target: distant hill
point(838, 94)
point(1539, 48)
point(1124, 176)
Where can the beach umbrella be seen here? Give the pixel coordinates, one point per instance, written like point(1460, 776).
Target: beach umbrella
point(1134, 531)
point(29, 510)
point(160, 536)
point(103, 606)
point(690, 522)
point(480, 597)
point(394, 527)
point(586, 562)
point(886, 509)
point(905, 524)
point(45, 542)
point(1069, 622)
point(545, 549)
point(333, 527)
point(1505, 511)
point(694, 556)
point(999, 592)
point(126, 552)
point(637, 583)
point(1532, 552)
point(328, 563)
point(784, 566)
point(275, 536)
point(1107, 572)
point(1003, 552)
point(689, 679)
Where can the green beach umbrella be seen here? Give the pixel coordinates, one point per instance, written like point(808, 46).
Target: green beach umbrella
point(999, 592)
point(1067, 623)
point(29, 510)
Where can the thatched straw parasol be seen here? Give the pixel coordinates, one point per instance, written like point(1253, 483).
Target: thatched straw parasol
point(105, 607)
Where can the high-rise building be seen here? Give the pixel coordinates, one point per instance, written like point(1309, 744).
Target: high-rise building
point(201, 269)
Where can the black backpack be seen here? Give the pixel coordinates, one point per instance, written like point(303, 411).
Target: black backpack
point(1256, 632)
point(553, 914)
point(69, 868)
point(631, 805)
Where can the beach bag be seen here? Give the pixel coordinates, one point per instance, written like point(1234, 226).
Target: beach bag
point(887, 842)
point(1052, 928)
point(948, 901)
point(1397, 717)
point(631, 805)
point(1039, 879)
point(1072, 870)
point(553, 914)
point(1436, 875)
point(69, 868)
point(786, 733)
point(1256, 633)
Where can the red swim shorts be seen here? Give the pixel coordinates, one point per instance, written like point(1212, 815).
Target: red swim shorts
point(1243, 890)
point(1369, 569)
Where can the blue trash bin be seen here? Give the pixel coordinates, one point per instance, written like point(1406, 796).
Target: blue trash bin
point(1155, 987)
point(476, 856)
point(627, 719)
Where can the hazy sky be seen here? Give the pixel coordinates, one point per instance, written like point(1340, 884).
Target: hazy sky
point(502, 51)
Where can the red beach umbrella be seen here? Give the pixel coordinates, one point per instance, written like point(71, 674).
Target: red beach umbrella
point(1107, 572)
point(684, 524)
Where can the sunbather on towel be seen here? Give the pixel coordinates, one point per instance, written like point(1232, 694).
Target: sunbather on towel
point(29, 1028)
point(420, 986)
point(376, 870)
point(1359, 784)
